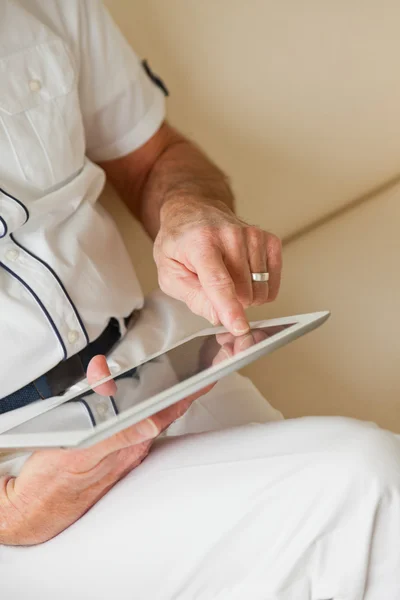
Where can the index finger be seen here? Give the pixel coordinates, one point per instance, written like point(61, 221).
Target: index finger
point(219, 288)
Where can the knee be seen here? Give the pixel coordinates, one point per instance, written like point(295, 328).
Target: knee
point(368, 453)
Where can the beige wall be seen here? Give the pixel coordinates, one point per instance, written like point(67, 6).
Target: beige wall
point(298, 101)
point(351, 365)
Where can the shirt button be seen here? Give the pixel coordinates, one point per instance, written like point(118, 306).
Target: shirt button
point(102, 409)
point(12, 254)
point(73, 337)
point(35, 85)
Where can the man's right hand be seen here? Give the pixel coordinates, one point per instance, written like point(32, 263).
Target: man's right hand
point(56, 487)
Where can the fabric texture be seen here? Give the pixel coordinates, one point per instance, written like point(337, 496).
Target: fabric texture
point(65, 374)
point(233, 503)
point(64, 68)
point(307, 509)
point(162, 322)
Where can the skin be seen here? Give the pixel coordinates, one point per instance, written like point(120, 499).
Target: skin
point(56, 487)
point(204, 255)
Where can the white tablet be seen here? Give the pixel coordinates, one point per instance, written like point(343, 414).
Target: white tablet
point(146, 388)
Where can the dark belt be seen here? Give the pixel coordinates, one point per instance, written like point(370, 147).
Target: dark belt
point(61, 377)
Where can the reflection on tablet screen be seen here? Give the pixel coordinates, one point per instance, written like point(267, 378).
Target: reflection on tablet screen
point(146, 380)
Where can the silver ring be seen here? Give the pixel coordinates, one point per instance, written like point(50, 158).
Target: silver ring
point(261, 277)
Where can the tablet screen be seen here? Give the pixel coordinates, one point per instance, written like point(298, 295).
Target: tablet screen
point(109, 400)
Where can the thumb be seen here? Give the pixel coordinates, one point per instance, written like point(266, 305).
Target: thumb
point(135, 434)
point(98, 370)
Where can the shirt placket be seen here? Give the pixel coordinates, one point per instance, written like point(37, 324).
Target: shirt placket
point(43, 285)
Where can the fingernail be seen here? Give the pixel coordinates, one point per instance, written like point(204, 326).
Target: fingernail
point(224, 352)
point(222, 355)
point(246, 342)
point(240, 326)
point(148, 429)
point(214, 320)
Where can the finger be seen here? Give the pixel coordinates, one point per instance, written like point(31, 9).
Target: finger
point(260, 335)
point(166, 417)
point(181, 283)
point(112, 467)
point(225, 338)
point(236, 261)
point(256, 240)
point(225, 352)
point(219, 287)
point(98, 370)
point(247, 341)
point(274, 261)
point(135, 434)
point(243, 343)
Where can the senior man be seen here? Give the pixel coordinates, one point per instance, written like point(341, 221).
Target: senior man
point(284, 510)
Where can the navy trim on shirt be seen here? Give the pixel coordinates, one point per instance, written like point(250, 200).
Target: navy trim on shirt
point(155, 78)
point(89, 410)
point(114, 405)
point(18, 202)
point(38, 300)
point(5, 227)
point(51, 270)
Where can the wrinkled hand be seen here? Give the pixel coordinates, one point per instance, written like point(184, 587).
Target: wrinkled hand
point(205, 256)
point(56, 487)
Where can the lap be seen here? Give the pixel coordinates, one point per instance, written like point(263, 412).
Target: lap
point(257, 511)
point(232, 402)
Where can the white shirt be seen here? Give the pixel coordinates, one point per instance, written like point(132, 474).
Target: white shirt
point(72, 92)
point(162, 323)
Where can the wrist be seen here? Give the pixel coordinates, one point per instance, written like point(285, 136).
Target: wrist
point(184, 204)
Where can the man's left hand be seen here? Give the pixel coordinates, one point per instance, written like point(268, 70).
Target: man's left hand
point(205, 256)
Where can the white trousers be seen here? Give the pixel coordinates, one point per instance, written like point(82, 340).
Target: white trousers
point(305, 509)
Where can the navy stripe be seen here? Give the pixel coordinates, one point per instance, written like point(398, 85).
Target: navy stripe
point(114, 405)
point(5, 227)
point(44, 309)
point(18, 202)
point(49, 268)
point(86, 405)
